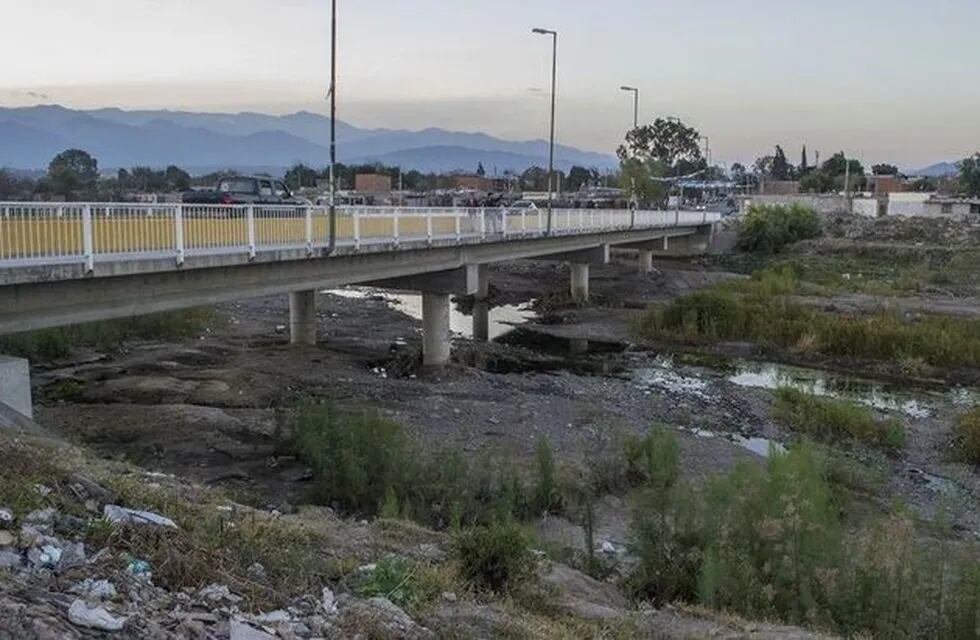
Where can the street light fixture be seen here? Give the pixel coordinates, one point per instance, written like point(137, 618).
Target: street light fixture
point(333, 128)
point(636, 104)
point(551, 148)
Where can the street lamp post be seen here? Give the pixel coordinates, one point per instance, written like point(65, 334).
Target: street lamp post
point(333, 128)
point(636, 104)
point(636, 125)
point(551, 148)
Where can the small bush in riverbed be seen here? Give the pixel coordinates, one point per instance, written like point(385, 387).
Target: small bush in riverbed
point(494, 556)
point(830, 419)
point(357, 458)
point(967, 437)
point(768, 228)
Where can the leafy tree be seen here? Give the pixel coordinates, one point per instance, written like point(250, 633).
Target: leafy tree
point(970, 176)
point(579, 177)
point(535, 179)
point(781, 168)
point(671, 143)
point(72, 172)
point(480, 171)
point(13, 187)
point(177, 178)
point(763, 166)
point(836, 168)
point(636, 178)
point(300, 176)
point(884, 170)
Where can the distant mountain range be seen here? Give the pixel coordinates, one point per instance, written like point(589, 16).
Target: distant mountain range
point(938, 170)
point(203, 142)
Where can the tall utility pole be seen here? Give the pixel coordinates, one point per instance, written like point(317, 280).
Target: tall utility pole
point(636, 124)
point(333, 126)
point(636, 104)
point(551, 147)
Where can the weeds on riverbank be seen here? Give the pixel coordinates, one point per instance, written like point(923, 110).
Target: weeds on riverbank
point(50, 344)
point(768, 543)
point(966, 437)
point(829, 419)
point(363, 464)
point(755, 311)
point(768, 228)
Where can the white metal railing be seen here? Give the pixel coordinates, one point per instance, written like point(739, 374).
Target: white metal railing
point(34, 234)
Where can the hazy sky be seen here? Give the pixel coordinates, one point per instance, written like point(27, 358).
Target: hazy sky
point(889, 80)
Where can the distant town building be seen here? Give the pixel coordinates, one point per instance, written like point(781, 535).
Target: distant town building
point(473, 183)
point(907, 204)
point(952, 207)
point(881, 186)
point(780, 187)
point(372, 183)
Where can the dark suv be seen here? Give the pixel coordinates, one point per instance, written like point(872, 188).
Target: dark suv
point(244, 190)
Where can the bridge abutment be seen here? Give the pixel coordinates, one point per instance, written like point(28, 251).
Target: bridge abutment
point(580, 282)
point(302, 317)
point(15, 385)
point(436, 338)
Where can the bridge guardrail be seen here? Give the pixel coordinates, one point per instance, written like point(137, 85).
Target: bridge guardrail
point(57, 233)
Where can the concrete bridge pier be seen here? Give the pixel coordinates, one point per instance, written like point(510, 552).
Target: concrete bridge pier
point(646, 261)
point(580, 282)
point(436, 288)
point(436, 337)
point(302, 317)
point(481, 307)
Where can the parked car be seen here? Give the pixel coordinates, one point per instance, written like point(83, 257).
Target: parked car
point(245, 190)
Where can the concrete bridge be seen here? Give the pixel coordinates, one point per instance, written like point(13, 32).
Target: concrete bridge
point(79, 262)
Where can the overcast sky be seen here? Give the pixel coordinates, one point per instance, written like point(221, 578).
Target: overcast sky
point(887, 80)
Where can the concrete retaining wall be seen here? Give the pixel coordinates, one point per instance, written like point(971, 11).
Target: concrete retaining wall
point(15, 385)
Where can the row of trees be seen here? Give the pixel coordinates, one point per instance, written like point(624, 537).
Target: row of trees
point(651, 156)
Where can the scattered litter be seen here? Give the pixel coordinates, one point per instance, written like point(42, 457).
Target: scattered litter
point(6, 517)
point(46, 557)
point(241, 631)
point(42, 490)
point(608, 547)
point(273, 617)
point(217, 593)
point(328, 601)
point(94, 589)
point(139, 568)
point(82, 615)
point(449, 596)
point(121, 515)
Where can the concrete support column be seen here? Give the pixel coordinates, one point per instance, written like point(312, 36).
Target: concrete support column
point(15, 385)
point(302, 317)
point(481, 308)
point(436, 339)
point(580, 282)
point(646, 261)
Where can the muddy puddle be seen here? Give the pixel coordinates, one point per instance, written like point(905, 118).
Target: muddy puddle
point(682, 375)
point(503, 319)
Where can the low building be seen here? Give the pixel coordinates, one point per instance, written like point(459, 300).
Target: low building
point(472, 183)
point(954, 207)
point(882, 186)
point(909, 204)
point(780, 187)
point(372, 183)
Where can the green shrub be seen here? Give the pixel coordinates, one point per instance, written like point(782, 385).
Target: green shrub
point(51, 344)
point(494, 556)
point(775, 321)
point(654, 459)
point(966, 437)
point(399, 580)
point(356, 458)
point(768, 228)
point(547, 496)
point(830, 419)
